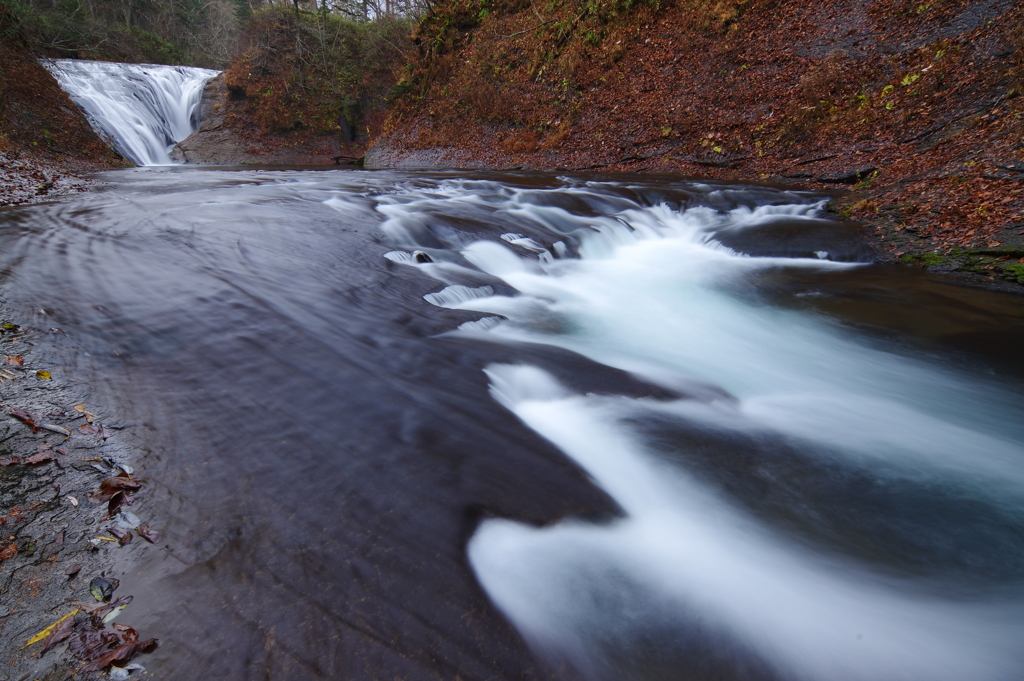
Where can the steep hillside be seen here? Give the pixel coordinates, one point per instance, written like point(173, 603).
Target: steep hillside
point(304, 88)
point(913, 103)
point(44, 137)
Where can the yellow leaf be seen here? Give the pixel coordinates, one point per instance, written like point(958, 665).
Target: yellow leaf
point(105, 538)
point(89, 416)
point(44, 375)
point(49, 630)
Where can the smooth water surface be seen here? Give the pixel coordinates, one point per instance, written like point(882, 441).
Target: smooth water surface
point(449, 425)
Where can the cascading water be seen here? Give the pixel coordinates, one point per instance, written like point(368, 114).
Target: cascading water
point(742, 543)
point(674, 430)
point(144, 109)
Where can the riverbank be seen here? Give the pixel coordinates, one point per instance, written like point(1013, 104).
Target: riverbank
point(73, 503)
point(46, 143)
point(913, 107)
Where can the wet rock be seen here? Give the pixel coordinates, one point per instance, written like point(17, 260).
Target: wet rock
point(219, 141)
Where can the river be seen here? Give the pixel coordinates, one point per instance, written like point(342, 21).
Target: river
point(453, 425)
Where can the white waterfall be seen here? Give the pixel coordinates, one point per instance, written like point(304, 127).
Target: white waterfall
point(143, 109)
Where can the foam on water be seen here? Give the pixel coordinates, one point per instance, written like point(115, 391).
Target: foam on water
point(652, 292)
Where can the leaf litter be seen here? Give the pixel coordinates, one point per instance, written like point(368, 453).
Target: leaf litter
point(90, 632)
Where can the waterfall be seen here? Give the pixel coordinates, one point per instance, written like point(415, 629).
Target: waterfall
point(143, 109)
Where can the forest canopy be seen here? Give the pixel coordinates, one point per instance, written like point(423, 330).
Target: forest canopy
point(191, 32)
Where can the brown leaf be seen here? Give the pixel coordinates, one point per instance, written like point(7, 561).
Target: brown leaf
point(87, 429)
point(101, 610)
point(41, 457)
point(120, 498)
point(62, 632)
point(9, 460)
point(24, 417)
point(15, 360)
point(123, 536)
point(92, 643)
point(152, 536)
point(127, 633)
point(73, 570)
point(122, 653)
point(101, 497)
point(9, 551)
point(119, 483)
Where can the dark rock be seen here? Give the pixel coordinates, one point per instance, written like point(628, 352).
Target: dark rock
point(847, 177)
point(216, 142)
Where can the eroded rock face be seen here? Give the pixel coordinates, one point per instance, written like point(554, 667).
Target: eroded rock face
point(224, 138)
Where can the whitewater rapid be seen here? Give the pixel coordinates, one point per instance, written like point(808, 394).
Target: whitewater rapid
point(883, 538)
point(142, 109)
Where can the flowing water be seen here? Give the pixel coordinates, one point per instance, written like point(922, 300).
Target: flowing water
point(142, 109)
point(443, 425)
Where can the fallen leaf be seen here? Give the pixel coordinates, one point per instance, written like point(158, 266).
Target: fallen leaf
point(93, 644)
point(24, 417)
point(89, 416)
point(100, 588)
point(59, 634)
point(101, 611)
point(127, 633)
point(73, 501)
point(119, 483)
point(87, 429)
point(41, 457)
point(152, 536)
point(48, 630)
point(55, 429)
point(9, 460)
point(45, 375)
point(9, 551)
point(123, 535)
point(125, 651)
point(119, 499)
point(73, 570)
point(114, 612)
point(15, 360)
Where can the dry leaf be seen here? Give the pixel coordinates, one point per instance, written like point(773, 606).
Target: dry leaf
point(15, 360)
point(24, 417)
point(152, 536)
point(49, 630)
point(89, 416)
point(41, 457)
point(125, 651)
